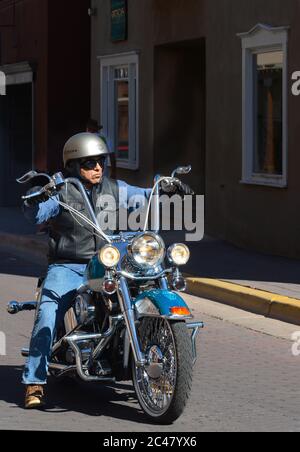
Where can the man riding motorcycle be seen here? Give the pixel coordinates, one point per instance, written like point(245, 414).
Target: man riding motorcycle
point(71, 246)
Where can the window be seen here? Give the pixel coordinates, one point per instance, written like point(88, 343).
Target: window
point(122, 113)
point(268, 113)
point(119, 107)
point(265, 106)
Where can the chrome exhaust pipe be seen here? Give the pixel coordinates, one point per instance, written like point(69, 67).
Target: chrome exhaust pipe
point(72, 340)
point(14, 307)
point(61, 368)
point(83, 373)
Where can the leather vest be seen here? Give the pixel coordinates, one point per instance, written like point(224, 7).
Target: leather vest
point(71, 240)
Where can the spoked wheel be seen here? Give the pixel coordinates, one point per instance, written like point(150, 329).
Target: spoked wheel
point(164, 385)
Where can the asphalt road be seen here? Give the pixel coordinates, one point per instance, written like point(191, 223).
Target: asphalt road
point(246, 377)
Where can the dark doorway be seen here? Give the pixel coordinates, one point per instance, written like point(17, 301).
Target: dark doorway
point(15, 141)
point(179, 109)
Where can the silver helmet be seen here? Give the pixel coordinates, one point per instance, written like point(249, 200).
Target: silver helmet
point(84, 145)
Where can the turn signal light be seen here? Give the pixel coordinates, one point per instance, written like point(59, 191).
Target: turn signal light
point(179, 284)
point(182, 311)
point(109, 286)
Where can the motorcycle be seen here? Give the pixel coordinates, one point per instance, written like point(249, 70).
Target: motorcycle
point(127, 321)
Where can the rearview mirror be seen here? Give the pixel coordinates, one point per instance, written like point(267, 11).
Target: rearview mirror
point(30, 175)
point(182, 170)
point(27, 177)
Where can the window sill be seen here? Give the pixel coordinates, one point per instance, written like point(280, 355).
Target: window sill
point(127, 165)
point(279, 183)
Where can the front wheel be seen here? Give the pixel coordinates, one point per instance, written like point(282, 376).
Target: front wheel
point(163, 386)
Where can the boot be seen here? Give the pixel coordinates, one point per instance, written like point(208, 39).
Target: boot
point(34, 397)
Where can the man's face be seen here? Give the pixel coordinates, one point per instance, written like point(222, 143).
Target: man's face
point(92, 169)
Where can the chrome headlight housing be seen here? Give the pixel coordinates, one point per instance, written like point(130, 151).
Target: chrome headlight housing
point(147, 251)
point(179, 254)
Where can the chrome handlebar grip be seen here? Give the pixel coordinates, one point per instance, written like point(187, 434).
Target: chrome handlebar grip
point(14, 307)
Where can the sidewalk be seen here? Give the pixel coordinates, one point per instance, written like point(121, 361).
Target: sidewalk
point(259, 283)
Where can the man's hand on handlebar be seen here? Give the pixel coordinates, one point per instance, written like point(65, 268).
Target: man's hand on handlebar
point(176, 186)
point(40, 196)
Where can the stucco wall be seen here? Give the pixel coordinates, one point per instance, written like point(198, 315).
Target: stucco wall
point(150, 23)
point(68, 74)
point(24, 38)
point(262, 218)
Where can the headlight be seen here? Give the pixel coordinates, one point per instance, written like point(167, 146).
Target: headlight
point(147, 250)
point(179, 254)
point(109, 256)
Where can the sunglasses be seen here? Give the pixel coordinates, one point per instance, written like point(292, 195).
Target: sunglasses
point(92, 163)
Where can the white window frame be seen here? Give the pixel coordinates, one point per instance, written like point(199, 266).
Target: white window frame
point(108, 117)
point(262, 39)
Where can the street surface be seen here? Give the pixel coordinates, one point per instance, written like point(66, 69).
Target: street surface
point(246, 377)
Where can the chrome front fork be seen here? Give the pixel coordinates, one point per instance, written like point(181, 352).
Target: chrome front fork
point(129, 316)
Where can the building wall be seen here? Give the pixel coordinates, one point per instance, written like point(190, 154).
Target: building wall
point(261, 218)
point(150, 24)
point(68, 74)
point(140, 32)
point(55, 37)
point(24, 28)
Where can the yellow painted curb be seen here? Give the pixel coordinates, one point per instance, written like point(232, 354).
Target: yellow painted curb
point(264, 303)
point(285, 308)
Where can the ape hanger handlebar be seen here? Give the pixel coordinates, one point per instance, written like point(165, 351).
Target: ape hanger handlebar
point(57, 181)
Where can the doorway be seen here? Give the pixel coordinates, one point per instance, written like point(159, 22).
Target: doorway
point(16, 141)
point(179, 109)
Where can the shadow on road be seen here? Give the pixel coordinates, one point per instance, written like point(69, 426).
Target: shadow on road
point(115, 401)
point(15, 263)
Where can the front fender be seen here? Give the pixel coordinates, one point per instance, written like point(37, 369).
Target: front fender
point(160, 303)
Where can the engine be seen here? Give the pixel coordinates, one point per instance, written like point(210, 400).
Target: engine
point(84, 308)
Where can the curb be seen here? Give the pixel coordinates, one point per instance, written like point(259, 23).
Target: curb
point(257, 301)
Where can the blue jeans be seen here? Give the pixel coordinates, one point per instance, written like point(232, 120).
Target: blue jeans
point(59, 289)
